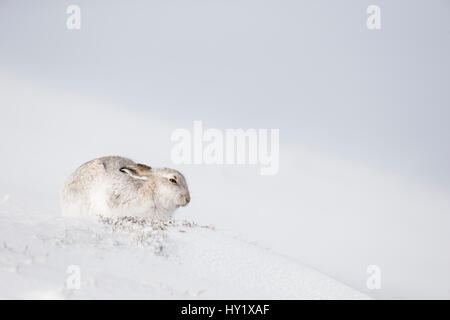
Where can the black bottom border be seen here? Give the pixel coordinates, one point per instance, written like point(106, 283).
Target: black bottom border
point(227, 309)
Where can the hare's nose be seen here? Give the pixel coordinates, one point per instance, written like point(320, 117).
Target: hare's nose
point(188, 198)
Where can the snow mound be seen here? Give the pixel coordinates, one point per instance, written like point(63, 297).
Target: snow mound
point(135, 258)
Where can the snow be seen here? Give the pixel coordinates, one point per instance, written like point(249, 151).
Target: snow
point(138, 259)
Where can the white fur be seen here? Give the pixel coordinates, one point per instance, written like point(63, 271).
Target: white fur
point(117, 187)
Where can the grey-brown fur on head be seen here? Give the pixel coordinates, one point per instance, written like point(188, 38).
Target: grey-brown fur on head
point(136, 170)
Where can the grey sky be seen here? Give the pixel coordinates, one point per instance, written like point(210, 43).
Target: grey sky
point(310, 68)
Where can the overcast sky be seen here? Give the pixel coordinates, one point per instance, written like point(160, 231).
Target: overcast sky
point(310, 68)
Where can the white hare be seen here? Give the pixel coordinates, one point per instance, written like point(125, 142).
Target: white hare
point(119, 187)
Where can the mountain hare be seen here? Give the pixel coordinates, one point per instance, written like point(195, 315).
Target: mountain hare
point(118, 187)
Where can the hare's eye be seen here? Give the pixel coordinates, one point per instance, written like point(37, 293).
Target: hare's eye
point(173, 180)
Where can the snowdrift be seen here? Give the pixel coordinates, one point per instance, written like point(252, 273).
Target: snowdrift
point(137, 259)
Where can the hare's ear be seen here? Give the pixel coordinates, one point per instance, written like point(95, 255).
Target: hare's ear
point(136, 171)
point(143, 167)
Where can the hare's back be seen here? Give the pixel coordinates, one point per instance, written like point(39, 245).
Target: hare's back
point(113, 163)
point(87, 188)
point(93, 171)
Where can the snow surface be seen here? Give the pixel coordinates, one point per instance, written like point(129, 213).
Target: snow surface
point(136, 259)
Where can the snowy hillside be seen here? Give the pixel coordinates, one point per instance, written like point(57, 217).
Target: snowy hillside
point(52, 132)
point(136, 259)
point(326, 212)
